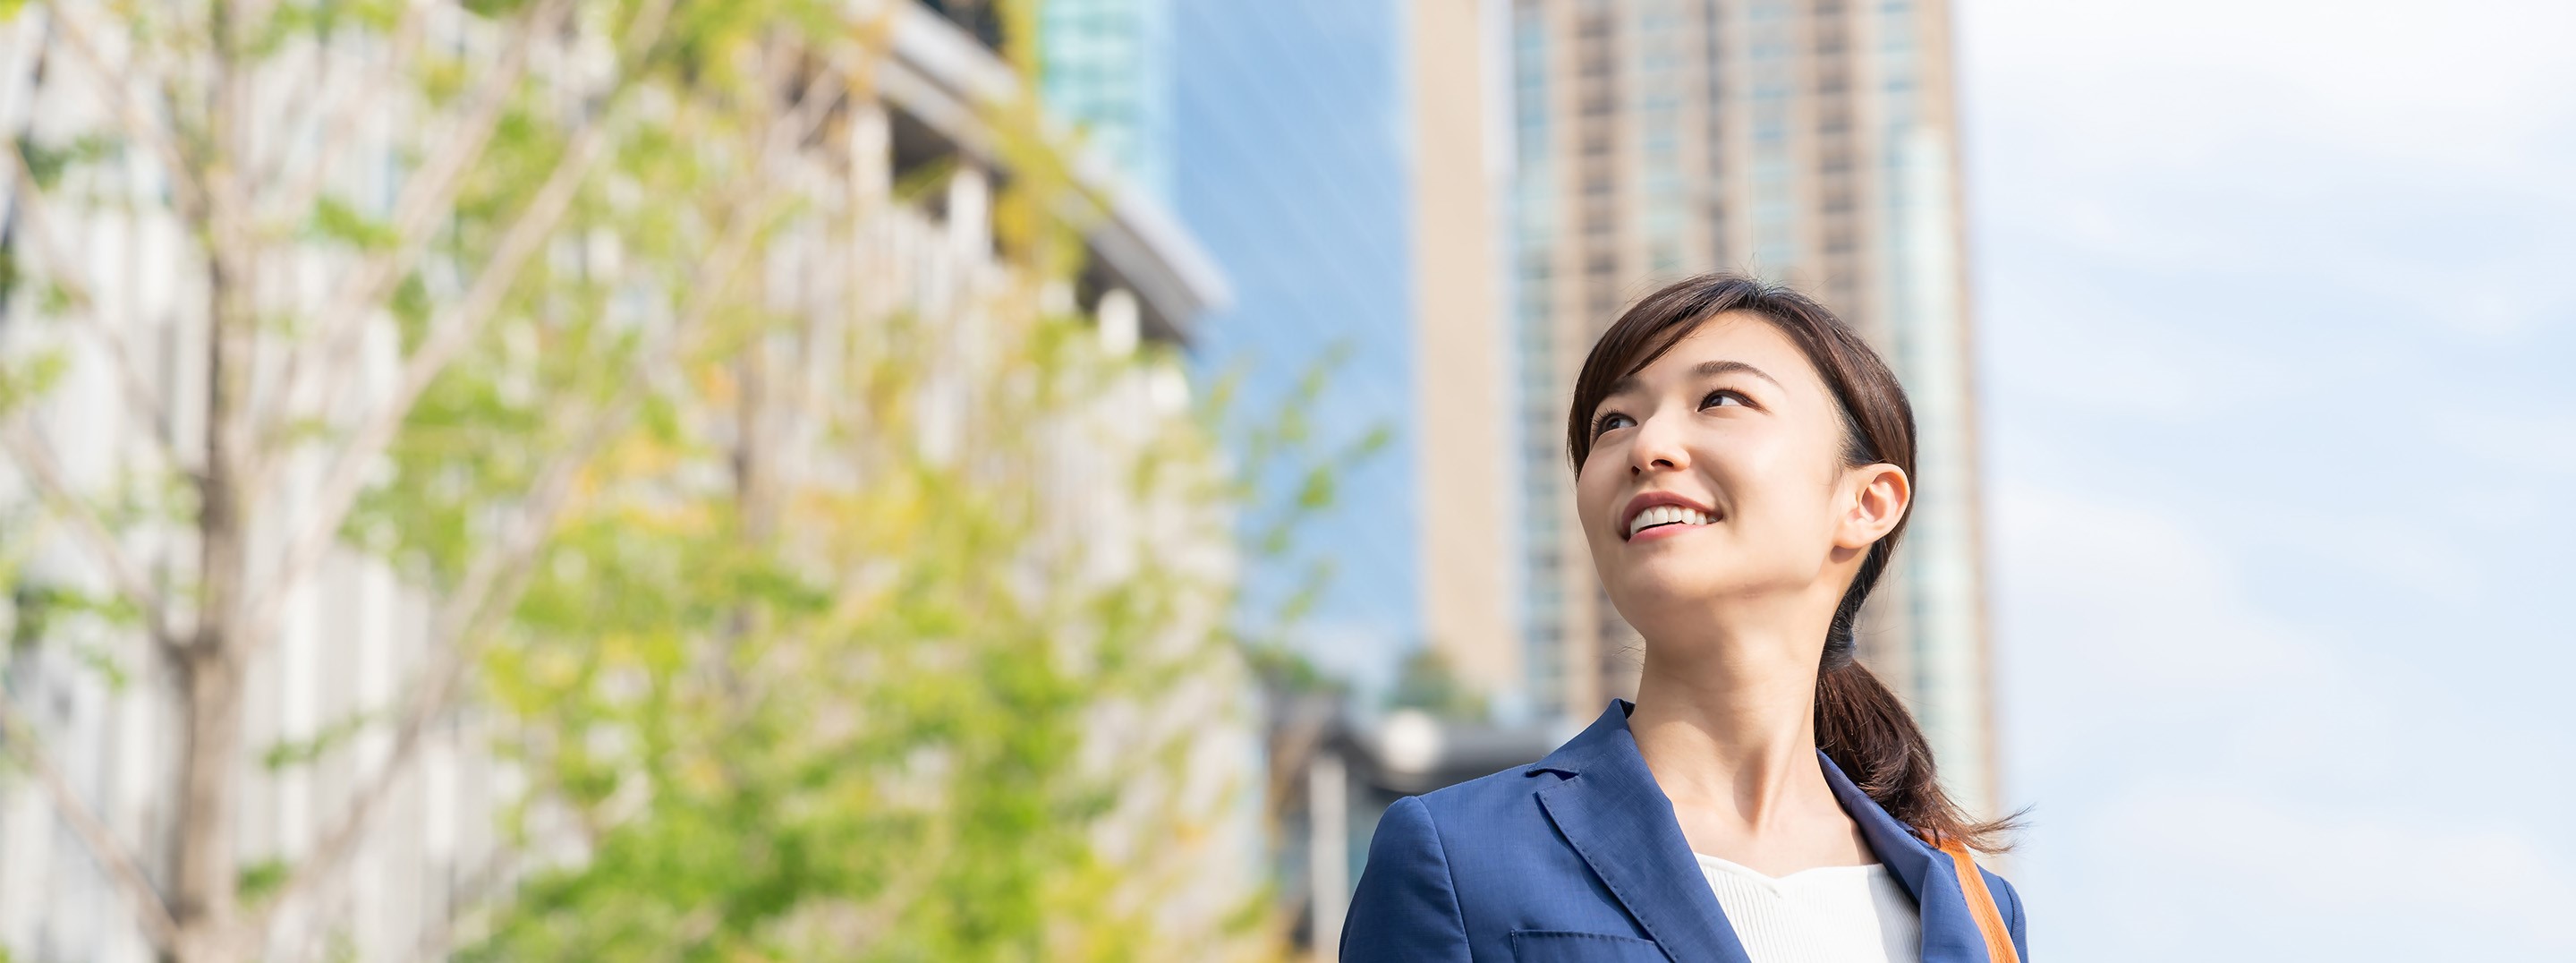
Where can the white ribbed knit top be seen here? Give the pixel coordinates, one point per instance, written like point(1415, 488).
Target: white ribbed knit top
point(1827, 914)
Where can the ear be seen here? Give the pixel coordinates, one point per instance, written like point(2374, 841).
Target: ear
point(1873, 498)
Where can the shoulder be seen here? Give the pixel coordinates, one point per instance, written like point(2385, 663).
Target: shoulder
point(1487, 812)
point(2008, 901)
point(1436, 856)
point(1500, 795)
point(1406, 903)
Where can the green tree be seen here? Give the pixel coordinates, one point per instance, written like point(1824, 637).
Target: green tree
point(825, 617)
point(527, 130)
point(1427, 681)
point(899, 702)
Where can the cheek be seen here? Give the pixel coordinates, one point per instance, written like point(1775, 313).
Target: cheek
point(1774, 492)
point(1592, 494)
point(1788, 521)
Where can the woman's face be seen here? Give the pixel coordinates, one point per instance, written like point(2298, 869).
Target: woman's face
point(1736, 429)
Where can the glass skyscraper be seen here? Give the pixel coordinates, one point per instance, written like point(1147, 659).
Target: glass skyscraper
point(1106, 65)
point(1275, 134)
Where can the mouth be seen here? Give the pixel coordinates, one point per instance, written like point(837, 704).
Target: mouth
point(1659, 515)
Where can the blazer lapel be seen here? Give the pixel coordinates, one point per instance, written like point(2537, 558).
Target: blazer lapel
point(1610, 809)
point(1612, 812)
point(1950, 932)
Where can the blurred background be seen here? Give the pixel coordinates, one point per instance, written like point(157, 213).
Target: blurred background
point(920, 480)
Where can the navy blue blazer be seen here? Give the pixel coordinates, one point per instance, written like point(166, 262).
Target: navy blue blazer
point(1579, 857)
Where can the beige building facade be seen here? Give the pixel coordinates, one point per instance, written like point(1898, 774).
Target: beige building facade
point(1460, 368)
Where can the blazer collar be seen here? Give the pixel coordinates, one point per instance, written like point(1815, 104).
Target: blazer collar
point(1615, 815)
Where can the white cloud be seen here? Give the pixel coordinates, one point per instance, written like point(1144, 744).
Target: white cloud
point(2264, 287)
point(2131, 597)
point(2534, 437)
point(2122, 631)
point(2131, 359)
point(2371, 149)
point(2215, 781)
point(2474, 84)
point(2218, 872)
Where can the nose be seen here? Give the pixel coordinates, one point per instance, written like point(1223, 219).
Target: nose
point(1657, 444)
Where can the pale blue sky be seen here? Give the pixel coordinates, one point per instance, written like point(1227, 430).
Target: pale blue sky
point(2278, 305)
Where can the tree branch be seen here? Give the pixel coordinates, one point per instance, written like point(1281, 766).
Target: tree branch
point(492, 585)
point(136, 122)
point(38, 459)
point(438, 942)
point(494, 582)
point(340, 129)
point(152, 915)
point(428, 194)
point(450, 334)
point(139, 393)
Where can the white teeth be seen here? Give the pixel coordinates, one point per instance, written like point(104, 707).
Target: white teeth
point(1662, 514)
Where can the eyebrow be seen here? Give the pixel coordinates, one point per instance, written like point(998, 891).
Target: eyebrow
point(1704, 369)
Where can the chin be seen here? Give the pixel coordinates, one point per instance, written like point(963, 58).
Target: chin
point(1671, 580)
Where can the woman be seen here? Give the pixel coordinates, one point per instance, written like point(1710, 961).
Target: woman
point(1743, 463)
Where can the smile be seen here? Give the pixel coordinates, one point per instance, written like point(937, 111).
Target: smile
point(1662, 514)
point(1666, 521)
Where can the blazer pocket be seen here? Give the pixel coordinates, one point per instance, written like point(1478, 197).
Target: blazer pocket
point(1564, 946)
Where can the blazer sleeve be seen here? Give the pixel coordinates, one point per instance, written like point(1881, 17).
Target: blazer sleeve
point(2015, 921)
point(1406, 904)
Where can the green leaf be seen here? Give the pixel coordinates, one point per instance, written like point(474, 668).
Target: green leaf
point(303, 752)
point(46, 164)
point(33, 376)
point(335, 220)
point(1316, 492)
point(54, 298)
point(260, 880)
point(99, 660)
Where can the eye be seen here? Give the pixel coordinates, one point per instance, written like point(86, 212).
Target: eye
point(1603, 423)
point(1722, 395)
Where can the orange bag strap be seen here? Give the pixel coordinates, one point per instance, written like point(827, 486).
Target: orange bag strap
point(1981, 904)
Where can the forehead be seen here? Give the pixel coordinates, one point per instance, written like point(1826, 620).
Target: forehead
point(1738, 336)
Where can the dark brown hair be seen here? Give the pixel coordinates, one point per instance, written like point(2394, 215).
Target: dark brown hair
point(1860, 724)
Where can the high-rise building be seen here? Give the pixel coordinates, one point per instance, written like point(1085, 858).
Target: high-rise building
point(1106, 65)
point(1807, 141)
point(1332, 157)
point(1462, 375)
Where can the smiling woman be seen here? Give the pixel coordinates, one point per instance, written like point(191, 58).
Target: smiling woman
point(1743, 464)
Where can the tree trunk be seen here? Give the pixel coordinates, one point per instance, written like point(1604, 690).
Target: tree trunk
point(206, 878)
point(204, 898)
point(206, 873)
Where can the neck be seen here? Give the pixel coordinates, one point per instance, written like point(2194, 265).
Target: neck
point(1726, 722)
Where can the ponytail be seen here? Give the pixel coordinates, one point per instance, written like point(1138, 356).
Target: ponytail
point(1867, 732)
